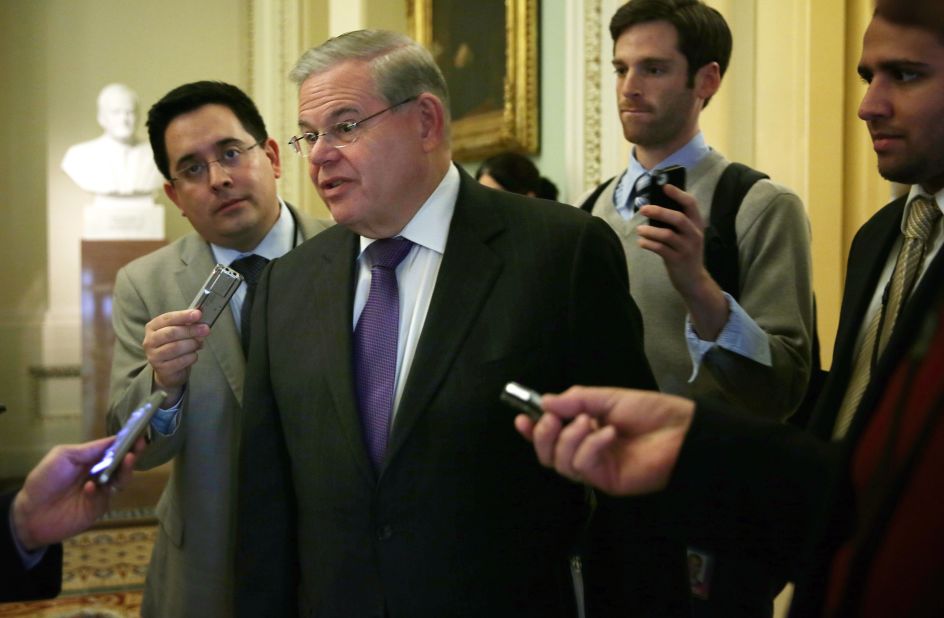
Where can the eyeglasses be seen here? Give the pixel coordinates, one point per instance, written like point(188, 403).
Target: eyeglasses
point(230, 158)
point(339, 135)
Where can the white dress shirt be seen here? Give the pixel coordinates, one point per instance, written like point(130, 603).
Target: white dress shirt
point(417, 273)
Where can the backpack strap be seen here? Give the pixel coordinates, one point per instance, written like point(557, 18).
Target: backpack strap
point(721, 248)
point(721, 261)
point(591, 200)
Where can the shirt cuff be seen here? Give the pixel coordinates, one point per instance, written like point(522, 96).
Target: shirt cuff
point(166, 421)
point(28, 558)
point(740, 335)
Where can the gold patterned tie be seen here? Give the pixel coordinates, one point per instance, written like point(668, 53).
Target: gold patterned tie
point(922, 216)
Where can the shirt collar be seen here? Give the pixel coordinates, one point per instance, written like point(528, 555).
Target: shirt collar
point(429, 227)
point(687, 156)
point(917, 191)
point(279, 241)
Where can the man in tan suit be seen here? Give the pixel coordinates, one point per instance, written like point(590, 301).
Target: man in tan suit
point(211, 145)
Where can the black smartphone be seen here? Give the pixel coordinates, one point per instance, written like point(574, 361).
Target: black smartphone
point(108, 465)
point(523, 399)
point(653, 192)
point(216, 292)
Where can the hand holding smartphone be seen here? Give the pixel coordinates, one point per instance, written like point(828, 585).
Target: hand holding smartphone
point(106, 468)
point(654, 192)
point(215, 293)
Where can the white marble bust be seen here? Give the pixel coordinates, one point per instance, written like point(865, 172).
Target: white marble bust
point(114, 164)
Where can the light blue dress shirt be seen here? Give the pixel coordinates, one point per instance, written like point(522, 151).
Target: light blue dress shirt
point(740, 334)
point(687, 156)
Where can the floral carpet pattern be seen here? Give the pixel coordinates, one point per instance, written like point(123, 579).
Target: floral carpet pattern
point(103, 574)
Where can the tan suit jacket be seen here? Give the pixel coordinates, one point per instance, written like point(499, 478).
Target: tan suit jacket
point(191, 568)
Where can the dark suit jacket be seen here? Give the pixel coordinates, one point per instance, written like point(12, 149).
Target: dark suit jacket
point(867, 257)
point(17, 584)
point(460, 520)
point(785, 496)
point(195, 509)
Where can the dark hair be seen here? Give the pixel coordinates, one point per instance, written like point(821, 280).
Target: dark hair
point(924, 14)
point(703, 34)
point(516, 173)
point(189, 97)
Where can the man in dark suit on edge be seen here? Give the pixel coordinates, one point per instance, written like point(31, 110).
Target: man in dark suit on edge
point(380, 475)
point(902, 109)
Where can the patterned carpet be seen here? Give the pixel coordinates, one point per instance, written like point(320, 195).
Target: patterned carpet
point(102, 576)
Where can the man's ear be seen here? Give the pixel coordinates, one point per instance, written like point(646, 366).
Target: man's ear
point(707, 81)
point(271, 149)
point(171, 192)
point(432, 123)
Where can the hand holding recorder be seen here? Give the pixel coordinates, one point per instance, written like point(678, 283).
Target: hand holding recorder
point(59, 499)
point(624, 442)
point(172, 339)
point(106, 468)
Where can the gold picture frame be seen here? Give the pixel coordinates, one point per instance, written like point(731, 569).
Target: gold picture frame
point(491, 112)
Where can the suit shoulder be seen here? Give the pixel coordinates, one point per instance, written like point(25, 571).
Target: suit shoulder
point(771, 201)
point(329, 239)
point(538, 209)
point(882, 223)
point(311, 226)
point(161, 259)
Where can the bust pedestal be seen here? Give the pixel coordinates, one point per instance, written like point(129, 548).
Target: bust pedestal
point(101, 260)
point(123, 218)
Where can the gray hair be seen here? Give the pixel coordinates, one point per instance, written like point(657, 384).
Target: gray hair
point(400, 67)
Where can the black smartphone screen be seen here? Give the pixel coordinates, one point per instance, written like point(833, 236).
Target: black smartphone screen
point(654, 192)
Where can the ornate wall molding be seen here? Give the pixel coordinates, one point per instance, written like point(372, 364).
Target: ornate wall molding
point(275, 42)
point(592, 94)
point(594, 138)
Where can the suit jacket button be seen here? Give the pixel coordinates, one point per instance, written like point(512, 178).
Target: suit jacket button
point(384, 532)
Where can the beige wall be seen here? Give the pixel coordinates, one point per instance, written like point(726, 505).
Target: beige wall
point(787, 106)
point(55, 57)
point(62, 52)
point(22, 207)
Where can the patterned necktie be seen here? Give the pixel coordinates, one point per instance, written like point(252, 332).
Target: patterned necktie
point(250, 267)
point(634, 203)
point(922, 216)
point(375, 344)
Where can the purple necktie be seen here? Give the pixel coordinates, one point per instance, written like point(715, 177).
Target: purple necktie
point(375, 344)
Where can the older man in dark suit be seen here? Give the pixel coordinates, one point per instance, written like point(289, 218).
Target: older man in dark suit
point(379, 472)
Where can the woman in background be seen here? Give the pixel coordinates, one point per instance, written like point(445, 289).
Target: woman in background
point(514, 172)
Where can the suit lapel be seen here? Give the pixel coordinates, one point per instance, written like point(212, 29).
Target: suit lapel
point(872, 246)
point(223, 342)
point(906, 336)
point(865, 269)
point(307, 226)
point(335, 272)
point(457, 300)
